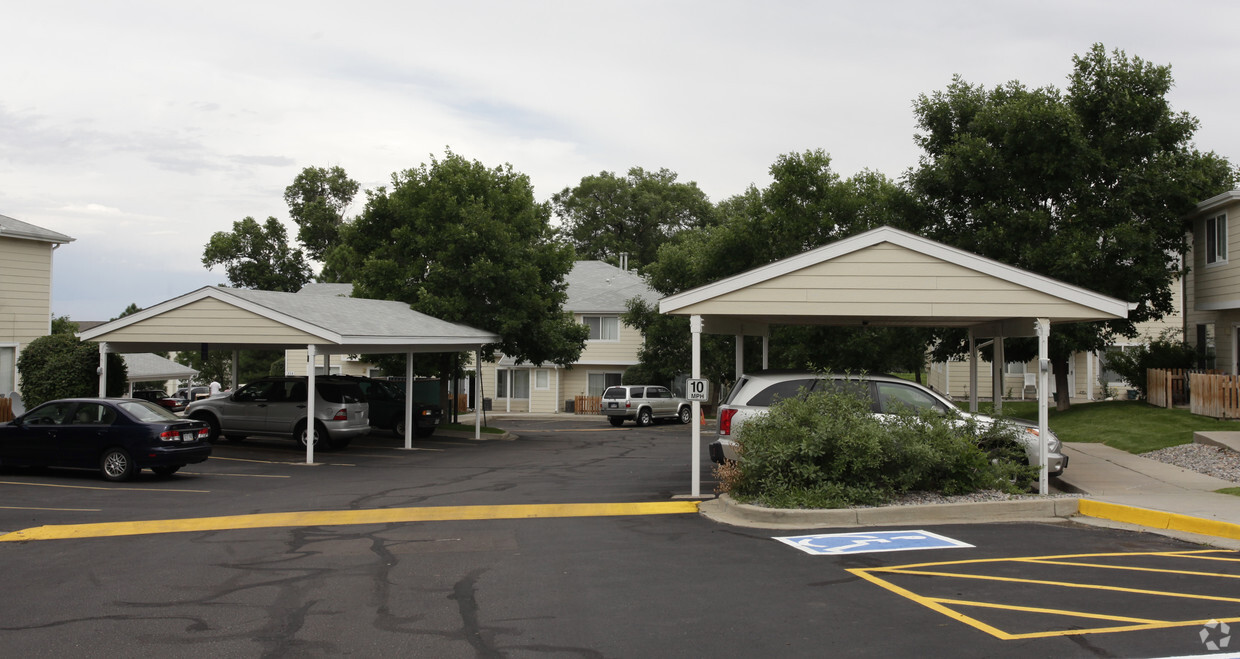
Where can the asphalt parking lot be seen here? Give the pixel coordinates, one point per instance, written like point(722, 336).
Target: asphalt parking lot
point(565, 541)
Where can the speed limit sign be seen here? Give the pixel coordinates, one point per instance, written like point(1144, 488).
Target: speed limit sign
point(697, 389)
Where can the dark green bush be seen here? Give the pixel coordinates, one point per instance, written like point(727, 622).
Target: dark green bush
point(827, 450)
point(62, 366)
point(1167, 351)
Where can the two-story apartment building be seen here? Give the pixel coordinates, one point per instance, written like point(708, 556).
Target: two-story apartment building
point(597, 294)
point(1212, 286)
point(25, 291)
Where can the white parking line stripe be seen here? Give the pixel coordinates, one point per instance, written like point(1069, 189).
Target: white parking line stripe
point(68, 510)
point(109, 489)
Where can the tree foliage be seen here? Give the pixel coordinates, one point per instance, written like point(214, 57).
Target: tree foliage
point(258, 256)
point(1087, 185)
point(469, 244)
point(606, 215)
point(317, 201)
point(62, 366)
point(1168, 351)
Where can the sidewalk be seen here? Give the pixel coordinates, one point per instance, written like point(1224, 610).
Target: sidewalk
point(1123, 488)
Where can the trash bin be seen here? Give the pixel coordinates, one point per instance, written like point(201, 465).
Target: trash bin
point(570, 405)
point(486, 404)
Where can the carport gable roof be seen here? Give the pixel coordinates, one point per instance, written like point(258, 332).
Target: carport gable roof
point(889, 277)
point(234, 319)
point(145, 366)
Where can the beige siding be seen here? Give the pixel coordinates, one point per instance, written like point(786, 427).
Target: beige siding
point(622, 351)
point(887, 280)
point(25, 299)
point(209, 320)
point(1217, 283)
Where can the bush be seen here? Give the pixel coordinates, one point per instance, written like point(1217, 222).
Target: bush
point(1167, 351)
point(62, 366)
point(827, 450)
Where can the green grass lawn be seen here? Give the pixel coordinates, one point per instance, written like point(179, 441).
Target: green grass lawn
point(1129, 425)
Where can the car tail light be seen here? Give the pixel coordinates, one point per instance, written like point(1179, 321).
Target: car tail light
point(341, 415)
point(170, 436)
point(204, 434)
point(725, 420)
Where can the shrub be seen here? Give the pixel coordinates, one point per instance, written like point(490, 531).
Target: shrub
point(1167, 351)
point(62, 366)
point(827, 450)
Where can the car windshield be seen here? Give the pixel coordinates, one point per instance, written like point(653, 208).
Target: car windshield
point(146, 411)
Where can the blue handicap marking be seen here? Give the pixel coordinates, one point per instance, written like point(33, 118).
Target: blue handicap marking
point(870, 541)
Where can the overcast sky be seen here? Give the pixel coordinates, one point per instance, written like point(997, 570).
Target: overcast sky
point(141, 128)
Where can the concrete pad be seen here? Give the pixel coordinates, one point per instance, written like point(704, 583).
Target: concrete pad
point(1221, 438)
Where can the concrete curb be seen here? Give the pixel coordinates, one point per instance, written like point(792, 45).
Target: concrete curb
point(726, 510)
point(1159, 520)
point(469, 434)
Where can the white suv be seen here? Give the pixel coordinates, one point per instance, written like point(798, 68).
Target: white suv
point(277, 406)
point(643, 404)
point(754, 393)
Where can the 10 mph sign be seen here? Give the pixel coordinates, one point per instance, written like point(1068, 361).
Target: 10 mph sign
point(697, 390)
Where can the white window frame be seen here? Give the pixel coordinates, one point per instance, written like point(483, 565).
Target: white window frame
point(11, 377)
point(542, 379)
point(601, 329)
point(1214, 242)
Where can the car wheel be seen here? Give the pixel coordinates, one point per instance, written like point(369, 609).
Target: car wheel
point(166, 470)
point(686, 415)
point(321, 438)
point(213, 425)
point(116, 465)
point(616, 421)
point(398, 426)
point(645, 417)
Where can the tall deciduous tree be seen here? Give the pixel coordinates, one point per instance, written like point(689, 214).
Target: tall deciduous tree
point(465, 243)
point(1087, 186)
point(317, 201)
point(258, 256)
point(606, 215)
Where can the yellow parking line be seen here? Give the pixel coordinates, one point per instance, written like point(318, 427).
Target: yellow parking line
point(224, 473)
point(109, 489)
point(349, 517)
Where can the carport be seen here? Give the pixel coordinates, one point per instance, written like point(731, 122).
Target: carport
point(236, 319)
point(888, 277)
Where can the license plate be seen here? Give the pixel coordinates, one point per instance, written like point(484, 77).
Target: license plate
point(189, 436)
point(613, 405)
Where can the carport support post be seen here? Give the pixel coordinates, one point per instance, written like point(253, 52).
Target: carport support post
point(996, 375)
point(478, 394)
point(311, 357)
point(695, 326)
point(103, 369)
point(972, 373)
point(236, 369)
point(740, 355)
point(408, 400)
point(1044, 368)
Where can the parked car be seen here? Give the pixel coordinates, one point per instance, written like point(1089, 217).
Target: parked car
point(117, 436)
point(161, 398)
point(277, 406)
point(644, 404)
point(387, 407)
point(190, 394)
point(754, 393)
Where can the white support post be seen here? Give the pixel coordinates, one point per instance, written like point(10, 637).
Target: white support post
point(1044, 367)
point(695, 327)
point(972, 373)
point(236, 370)
point(1090, 359)
point(408, 400)
point(766, 349)
point(740, 355)
point(996, 375)
point(478, 394)
point(103, 369)
point(311, 358)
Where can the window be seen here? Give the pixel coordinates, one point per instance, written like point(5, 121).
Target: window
point(1109, 376)
point(603, 328)
point(894, 397)
point(8, 362)
point(501, 383)
point(520, 379)
point(1216, 239)
point(597, 383)
point(542, 379)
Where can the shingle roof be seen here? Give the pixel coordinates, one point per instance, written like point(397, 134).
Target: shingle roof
point(598, 287)
point(14, 228)
point(144, 366)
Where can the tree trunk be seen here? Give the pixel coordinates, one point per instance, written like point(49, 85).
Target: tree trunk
point(445, 375)
point(1060, 368)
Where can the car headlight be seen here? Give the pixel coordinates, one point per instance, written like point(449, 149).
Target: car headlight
point(1052, 443)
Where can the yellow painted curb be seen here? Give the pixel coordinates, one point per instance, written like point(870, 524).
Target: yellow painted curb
point(346, 517)
point(1155, 519)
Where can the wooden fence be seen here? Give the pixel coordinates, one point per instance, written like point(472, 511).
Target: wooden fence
point(1214, 395)
point(587, 405)
point(6, 409)
point(1171, 387)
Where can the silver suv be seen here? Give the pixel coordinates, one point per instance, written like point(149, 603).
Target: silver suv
point(754, 393)
point(277, 406)
point(643, 404)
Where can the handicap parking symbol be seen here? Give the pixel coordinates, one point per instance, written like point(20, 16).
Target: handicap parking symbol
point(871, 541)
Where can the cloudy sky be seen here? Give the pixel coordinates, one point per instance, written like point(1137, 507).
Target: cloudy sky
point(141, 128)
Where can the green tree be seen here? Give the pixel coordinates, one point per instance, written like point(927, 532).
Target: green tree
point(606, 215)
point(62, 325)
point(133, 308)
point(258, 256)
point(216, 367)
point(62, 366)
point(465, 243)
point(1087, 186)
point(317, 201)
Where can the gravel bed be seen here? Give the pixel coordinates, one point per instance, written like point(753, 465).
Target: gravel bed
point(1204, 459)
point(921, 498)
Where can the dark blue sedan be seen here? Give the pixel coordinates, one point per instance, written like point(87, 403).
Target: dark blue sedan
point(117, 436)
